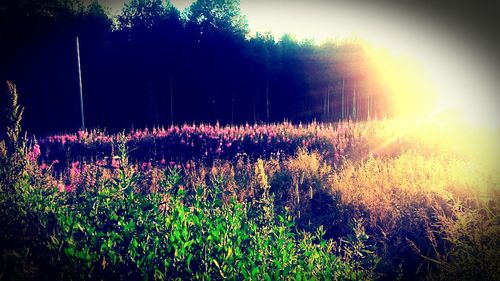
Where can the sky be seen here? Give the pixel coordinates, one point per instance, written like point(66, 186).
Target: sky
point(454, 41)
point(332, 18)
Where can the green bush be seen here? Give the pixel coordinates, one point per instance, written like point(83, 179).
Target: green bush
point(116, 232)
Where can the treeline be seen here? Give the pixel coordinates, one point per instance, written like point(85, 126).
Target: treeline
point(154, 65)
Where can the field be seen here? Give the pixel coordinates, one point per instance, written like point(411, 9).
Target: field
point(248, 140)
point(381, 199)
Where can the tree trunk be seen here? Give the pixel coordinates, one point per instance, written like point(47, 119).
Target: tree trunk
point(328, 103)
point(254, 110)
point(354, 106)
point(232, 109)
point(171, 99)
point(368, 105)
point(343, 106)
point(267, 100)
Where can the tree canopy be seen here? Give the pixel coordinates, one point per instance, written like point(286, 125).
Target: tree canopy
point(218, 16)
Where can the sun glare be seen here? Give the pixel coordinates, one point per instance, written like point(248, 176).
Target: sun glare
point(410, 89)
point(440, 113)
point(422, 85)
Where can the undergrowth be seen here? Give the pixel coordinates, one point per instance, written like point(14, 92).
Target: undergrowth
point(404, 209)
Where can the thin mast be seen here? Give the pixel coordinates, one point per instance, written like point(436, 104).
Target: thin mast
point(80, 80)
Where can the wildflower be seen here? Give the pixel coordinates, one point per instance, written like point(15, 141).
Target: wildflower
point(36, 150)
point(81, 134)
point(61, 187)
point(34, 153)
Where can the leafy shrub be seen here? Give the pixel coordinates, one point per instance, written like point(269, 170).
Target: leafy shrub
point(184, 232)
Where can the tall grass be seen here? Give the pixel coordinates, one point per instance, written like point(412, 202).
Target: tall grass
point(381, 199)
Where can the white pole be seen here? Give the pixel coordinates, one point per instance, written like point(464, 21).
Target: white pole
point(80, 80)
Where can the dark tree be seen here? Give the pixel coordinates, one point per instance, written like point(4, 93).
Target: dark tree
point(150, 66)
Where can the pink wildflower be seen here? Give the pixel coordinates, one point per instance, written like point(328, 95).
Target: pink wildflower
point(36, 150)
point(81, 134)
point(61, 187)
point(34, 153)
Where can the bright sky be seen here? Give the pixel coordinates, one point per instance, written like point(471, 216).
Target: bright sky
point(305, 19)
point(464, 74)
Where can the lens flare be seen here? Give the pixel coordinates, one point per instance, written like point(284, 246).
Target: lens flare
point(434, 109)
point(433, 85)
point(411, 91)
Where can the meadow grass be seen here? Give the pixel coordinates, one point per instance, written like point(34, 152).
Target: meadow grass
point(386, 199)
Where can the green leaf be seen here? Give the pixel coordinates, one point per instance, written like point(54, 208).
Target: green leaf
point(298, 276)
point(129, 226)
point(69, 251)
point(255, 270)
